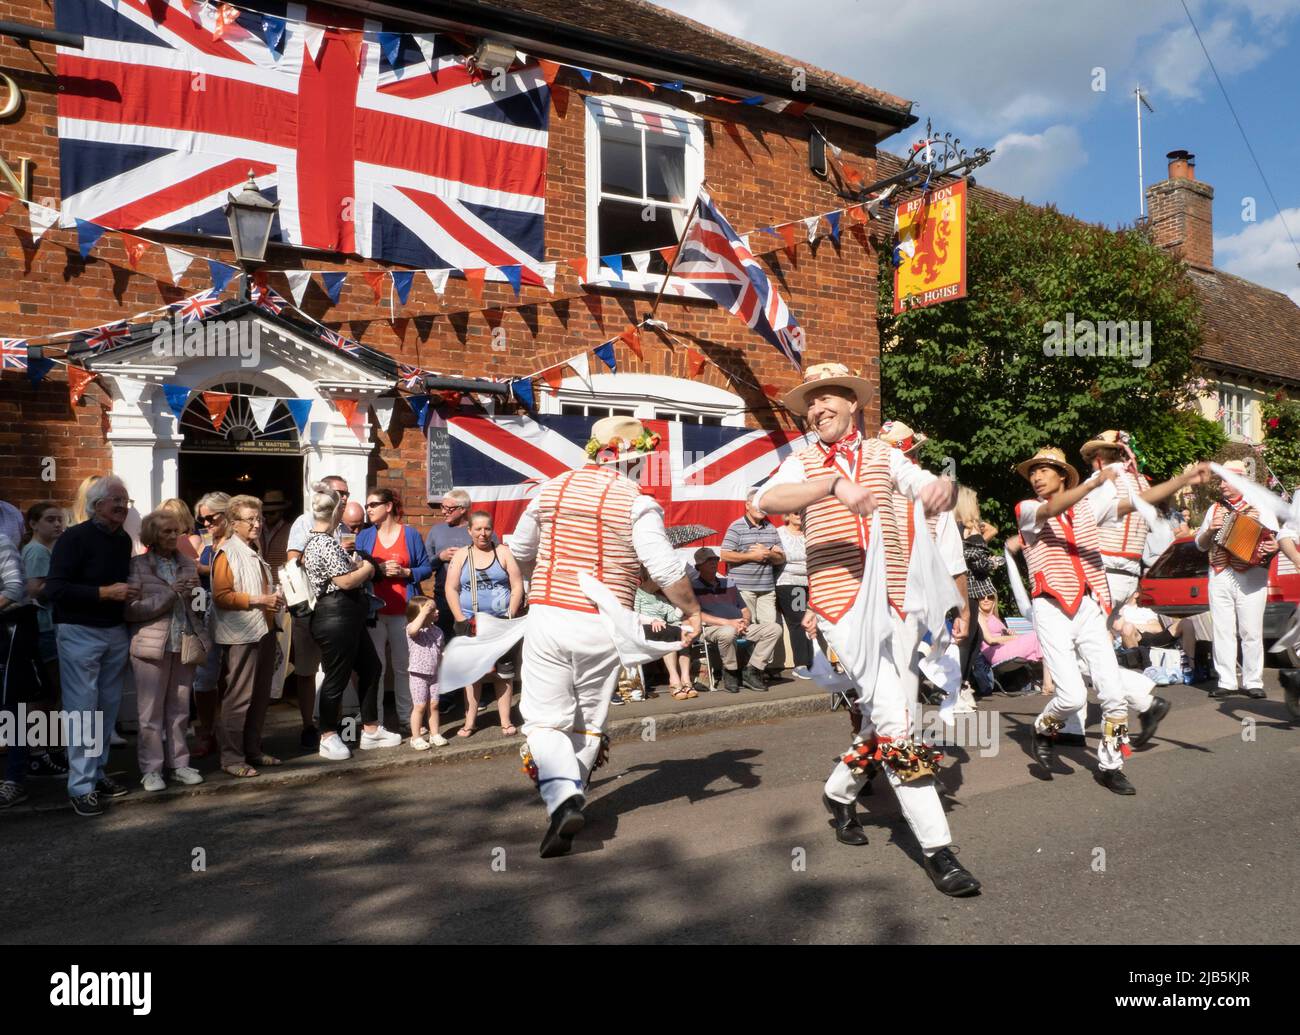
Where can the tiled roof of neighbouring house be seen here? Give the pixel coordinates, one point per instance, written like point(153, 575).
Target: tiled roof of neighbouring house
point(1248, 328)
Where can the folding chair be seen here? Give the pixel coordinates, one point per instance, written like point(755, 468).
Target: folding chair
point(700, 649)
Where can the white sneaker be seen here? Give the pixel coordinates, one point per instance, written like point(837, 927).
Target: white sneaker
point(333, 748)
point(381, 738)
point(801, 672)
point(153, 782)
point(438, 740)
point(420, 744)
point(187, 774)
point(965, 701)
point(116, 740)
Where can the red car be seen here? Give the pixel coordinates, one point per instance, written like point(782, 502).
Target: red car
point(1178, 585)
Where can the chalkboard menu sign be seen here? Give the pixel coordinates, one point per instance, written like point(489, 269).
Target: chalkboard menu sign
point(439, 481)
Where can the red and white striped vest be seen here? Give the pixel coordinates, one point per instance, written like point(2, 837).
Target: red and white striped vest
point(1126, 537)
point(905, 518)
point(1219, 557)
point(836, 538)
point(1065, 558)
point(585, 518)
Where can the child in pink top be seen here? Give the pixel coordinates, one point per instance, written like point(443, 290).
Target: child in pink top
point(424, 643)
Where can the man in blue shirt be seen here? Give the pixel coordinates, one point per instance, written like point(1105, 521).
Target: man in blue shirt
point(726, 619)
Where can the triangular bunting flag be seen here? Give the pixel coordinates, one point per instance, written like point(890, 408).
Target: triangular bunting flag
point(178, 262)
point(420, 406)
point(221, 274)
point(217, 403)
point(632, 339)
point(605, 353)
point(130, 389)
point(273, 31)
point(696, 96)
point(585, 73)
point(771, 391)
point(475, 280)
point(313, 37)
point(641, 260)
point(549, 70)
point(41, 219)
point(668, 254)
point(383, 408)
point(78, 381)
point(376, 278)
point(298, 281)
point(811, 224)
point(424, 40)
point(514, 274)
point(261, 407)
point(581, 364)
point(547, 272)
point(333, 284)
point(347, 407)
point(135, 247)
point(299, 410)
point(225, 17)
point(523, 389)
point(177, 396)
point(580, 268)
point(695, 361)
point(402, 281)
point(5, 201)
point(438, 281)
point(38, 368)
point(833, 221)
point(787, 235)
point(355, 41)
point(88, 234)
point(554, 376)
point(856, 214)
point(614, 262)
point(390, 45)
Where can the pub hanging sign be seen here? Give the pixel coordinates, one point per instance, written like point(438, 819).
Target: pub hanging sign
point(930, 256)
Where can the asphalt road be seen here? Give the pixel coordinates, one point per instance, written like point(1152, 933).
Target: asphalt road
point(716, 837)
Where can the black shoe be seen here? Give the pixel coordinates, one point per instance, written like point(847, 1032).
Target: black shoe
point(950, 876)
point(1115, 780)
point(753, 679)
point(565, 824)
point(1044, 750)
point(1150, 720)
point(1071, 740)
point(731, 682)
point(1256, 693)
point(873, 770)
point(11, 794)
point(39, 766)
point(87, 805)
point(848, 831)
point(1222, 693)
point(111, 788)
point(310, 737)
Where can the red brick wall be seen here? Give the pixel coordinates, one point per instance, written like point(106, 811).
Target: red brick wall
point(758, 175)
point(1182, 219)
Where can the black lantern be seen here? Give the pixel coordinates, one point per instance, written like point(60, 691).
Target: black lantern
point(250, 216)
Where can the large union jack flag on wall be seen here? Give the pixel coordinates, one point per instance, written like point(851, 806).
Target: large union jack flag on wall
point(699, 474)
point(382, 144)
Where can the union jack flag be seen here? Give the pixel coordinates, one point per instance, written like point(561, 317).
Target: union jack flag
point(716, 260)
point(387, 148)
point(349, 346)
point(196, 307)
point(268, 298)
point(13, 353)
point(106, 337)
point(409, 376)
point(699, 474)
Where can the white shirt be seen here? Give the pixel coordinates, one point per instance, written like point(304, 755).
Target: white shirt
point(1104, 501)
point(794, 572)
point(907, 476)
point(1291, 530)
point(649, 540)
point(948, 540)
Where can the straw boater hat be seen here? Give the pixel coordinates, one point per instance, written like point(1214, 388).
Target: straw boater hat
point(616, 440)
point(827, 375)
point(900, 436)
point(1106, 440)
point(1053, 457)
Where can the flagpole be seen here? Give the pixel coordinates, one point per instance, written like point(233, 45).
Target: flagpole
point(677, 251)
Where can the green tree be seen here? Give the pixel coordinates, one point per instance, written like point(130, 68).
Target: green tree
point(978, 374)
point(1282, 440)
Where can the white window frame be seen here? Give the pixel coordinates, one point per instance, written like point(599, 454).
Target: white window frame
point(1238, 420)
point(602, 276)
point(643, 394)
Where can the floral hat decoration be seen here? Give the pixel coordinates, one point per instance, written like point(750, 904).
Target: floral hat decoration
point(619, 440)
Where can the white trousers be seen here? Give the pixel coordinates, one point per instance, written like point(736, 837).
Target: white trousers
point(887, 708)
point(389, 638)
point(1122, 586)
point(570, 670)
point(1066, 641)
point(1237, 600)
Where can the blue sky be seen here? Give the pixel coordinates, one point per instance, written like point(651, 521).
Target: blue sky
point(1018, 75)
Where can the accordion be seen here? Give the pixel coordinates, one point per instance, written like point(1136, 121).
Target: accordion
point(1241, 536)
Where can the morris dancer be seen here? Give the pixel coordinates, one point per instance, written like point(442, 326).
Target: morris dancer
point(1121, 541)
point(838, 483)
point(592, 520)
point(1238, 593)
point(1071, 602)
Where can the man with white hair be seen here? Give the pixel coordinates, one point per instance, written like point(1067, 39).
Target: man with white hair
point(89, 589)
point(592, 521)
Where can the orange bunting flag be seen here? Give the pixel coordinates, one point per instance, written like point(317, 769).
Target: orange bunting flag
point(856, 213)
point(550, 69)
point(580, 268)
point(771, 391)
point(5, 201)
point(787, 235)
point(78, 381)
point(632, 339)
point(475, 280)
point(644, 82)
point(375, 278)
point(355, 42)
point(668, 254)
point(554, 376)
point(226, 16)
point(347, 407)
point(135, 248)
point(695, 362)
point(217, 403)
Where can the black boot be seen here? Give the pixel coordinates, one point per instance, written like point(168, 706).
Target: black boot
point(848, 831)
point(950, 876)
point(1044, 750)
point(566, 821)
point(1115, 780)
point(873, 770)
point(731, 681)
point(1150, 720)
point(753, 679)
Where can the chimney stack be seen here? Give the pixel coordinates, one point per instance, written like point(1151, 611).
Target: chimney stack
point(1181, 212)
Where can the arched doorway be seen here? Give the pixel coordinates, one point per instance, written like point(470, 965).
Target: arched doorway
point(240, 456)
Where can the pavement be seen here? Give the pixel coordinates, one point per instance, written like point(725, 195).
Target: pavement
point(714, 835)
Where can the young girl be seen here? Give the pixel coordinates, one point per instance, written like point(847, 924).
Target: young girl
point(424, 642)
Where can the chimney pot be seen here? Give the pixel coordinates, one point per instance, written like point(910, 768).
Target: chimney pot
point(1182, 165)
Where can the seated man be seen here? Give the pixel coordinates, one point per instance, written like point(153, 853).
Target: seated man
point(726, 619)
point(1142, 627)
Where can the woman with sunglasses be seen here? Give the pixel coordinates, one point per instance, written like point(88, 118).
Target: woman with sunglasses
point(402, 564)
point(211, 526)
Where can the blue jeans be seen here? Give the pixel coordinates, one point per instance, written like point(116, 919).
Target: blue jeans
point(92, 662)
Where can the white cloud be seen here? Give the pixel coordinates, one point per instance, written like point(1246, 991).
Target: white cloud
point(1263, 253)
point(1177, 62)
point(1029, 165)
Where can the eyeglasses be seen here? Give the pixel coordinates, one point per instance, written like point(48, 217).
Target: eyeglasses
point(121, 499)
point(453, 506)
point(208, 519)
point(376, 503)
point(248, 521)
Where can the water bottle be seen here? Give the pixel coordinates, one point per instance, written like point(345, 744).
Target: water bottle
point(1189, 676)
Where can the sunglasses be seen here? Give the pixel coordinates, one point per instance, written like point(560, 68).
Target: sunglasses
point(376, 503)
point(209, 519)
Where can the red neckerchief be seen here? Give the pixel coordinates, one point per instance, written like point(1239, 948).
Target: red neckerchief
point(846, 447)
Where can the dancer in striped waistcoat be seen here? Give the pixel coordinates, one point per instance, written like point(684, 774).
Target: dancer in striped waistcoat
point(592, 521)
point(839, 483)
point(1122, 540)
point(1060, 530)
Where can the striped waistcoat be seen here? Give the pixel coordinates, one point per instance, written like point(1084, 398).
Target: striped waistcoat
point(1219, 557)
point(905, 518)
point(836, 539)
point(1065, 559)
point(1125, 538)
point(585, 518)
